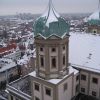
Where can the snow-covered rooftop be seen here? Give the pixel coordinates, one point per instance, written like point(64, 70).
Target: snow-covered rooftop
point(6, 64)
point(56, 81)
point(26, 58)
point(84, 51)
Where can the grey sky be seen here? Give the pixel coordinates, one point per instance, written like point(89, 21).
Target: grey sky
point(39, 6)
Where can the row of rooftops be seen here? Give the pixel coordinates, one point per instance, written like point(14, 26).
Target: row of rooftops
point(10, 61)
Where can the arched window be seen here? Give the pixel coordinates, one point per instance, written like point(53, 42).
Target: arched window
point(53, 62)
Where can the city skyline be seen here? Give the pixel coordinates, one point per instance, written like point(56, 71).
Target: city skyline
point(39, 6)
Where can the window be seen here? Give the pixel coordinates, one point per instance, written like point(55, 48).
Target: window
point(95, 80)
point(83, 77)
point(53, 49)
point(65, 86)
point(11, 97)
point(63, 60)
point(36, 86)
point(83, 90)
point(41, 49)
point(48, 91)
point(93, 93)
point(53, 62)
point(77, 77)
point(63, 47)
point(77, 88)
point(36, 98)
point(42, 61)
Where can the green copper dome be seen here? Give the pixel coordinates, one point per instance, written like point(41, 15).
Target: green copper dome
point(50, 23)
point(94, 22)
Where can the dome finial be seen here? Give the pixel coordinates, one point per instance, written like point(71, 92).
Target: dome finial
point(50, 4)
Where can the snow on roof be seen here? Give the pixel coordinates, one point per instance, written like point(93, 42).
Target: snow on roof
point(51, 15)
point(24, 60)
point(84, 50)
point(3, 44)
point(8, 64)
point(95, 16)
point(53, 81)
point(56, 81)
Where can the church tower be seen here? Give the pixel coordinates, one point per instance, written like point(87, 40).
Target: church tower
point(51, 40)
point(94, 21)
point(52, 79)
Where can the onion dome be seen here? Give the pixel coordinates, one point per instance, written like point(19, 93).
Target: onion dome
point(94, 19)
point(50, 23)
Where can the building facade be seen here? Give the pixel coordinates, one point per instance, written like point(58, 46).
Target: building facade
point(53, 74)
point(54, 78)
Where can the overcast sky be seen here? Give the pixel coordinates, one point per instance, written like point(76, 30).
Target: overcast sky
point(39, 6)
